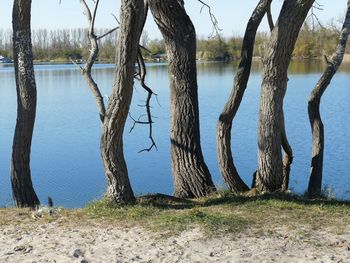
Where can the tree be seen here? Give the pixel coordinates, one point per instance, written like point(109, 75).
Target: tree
point(190, 173)
point(276, 61)
point(22, 187)
point(315, 183)
point(288, 152)
point(132, 18)
point(113, 119)
point(224, 126)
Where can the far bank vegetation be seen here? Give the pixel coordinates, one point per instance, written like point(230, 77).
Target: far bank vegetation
point(64, 44)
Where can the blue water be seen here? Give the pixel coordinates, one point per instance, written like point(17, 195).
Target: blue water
point(65, 157)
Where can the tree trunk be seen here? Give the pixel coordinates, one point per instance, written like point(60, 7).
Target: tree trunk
point(22, 187)
point(315, 183)
point(288, 152)
point(191, 175)
point(131, 23)
point(224, 126)
point(276, 62)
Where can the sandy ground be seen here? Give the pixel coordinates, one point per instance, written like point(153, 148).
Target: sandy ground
point(54, 242)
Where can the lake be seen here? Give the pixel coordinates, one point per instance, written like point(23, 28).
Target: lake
point(65, 158)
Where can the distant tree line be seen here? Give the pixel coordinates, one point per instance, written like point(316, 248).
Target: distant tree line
point(63, 44)
point(313, 42)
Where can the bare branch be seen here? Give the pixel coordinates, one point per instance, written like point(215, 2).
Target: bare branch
point(269, 18)
point(115, 17)
point(141, 77)
point(146, 49)
point(107, 33)
point(137, 121)
point(318, 6)
point(86, 11)
point(326, 59)
point(214, 21)
point(94, 15)
point(94, 50)
point(314, 17)
point(76, 64)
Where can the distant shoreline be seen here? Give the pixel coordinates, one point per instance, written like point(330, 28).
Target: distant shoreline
point(345, 59)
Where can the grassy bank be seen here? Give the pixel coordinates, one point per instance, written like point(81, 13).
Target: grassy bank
point(216, 215)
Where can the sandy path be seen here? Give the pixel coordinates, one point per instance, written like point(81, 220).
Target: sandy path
point(52, 242)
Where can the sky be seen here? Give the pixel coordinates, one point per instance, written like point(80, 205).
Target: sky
point(232, 15)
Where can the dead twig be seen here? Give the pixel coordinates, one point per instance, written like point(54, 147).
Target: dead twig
point(214, 20)
point(76, 64)
point(314, 18)
point(141, 76)
point(107, 33)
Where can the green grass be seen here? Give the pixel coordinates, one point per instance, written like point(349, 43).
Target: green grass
point(169, 215)
point(225, 213)
point(215, 215)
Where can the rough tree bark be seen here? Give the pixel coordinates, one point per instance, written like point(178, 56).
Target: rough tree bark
point(288, 152)
point(191, 175)
point(315, 183)
point(131, 23)
point(276, 62)
point(22, 187)
point(224, 126)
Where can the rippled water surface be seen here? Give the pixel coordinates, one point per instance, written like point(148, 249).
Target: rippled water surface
point(65, 153)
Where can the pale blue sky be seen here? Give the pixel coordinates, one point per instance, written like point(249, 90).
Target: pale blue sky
point(232, 14)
